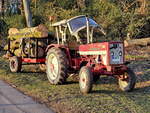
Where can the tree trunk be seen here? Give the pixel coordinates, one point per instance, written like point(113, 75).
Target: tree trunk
point(28, 14)
point(81, 4)
point(2, 8)
point(137, 42)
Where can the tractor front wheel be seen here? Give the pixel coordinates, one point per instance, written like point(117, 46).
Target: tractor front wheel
point(127, 80)
point(56, 66)
point(85, 80)
point(15, 64)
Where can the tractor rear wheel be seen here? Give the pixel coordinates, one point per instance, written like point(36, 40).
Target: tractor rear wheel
point(15, 64)
point(127, 80)
point(56, 66)
point(85, 80)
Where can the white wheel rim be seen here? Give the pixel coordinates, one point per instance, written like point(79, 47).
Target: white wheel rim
point(13, 64)
point(52, 66)
point(83, 79)
point(125, 85)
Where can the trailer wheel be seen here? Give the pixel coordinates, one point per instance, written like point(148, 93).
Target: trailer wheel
point(85, 80)
point(127, 81)
point(56, 66)
point(15, 64)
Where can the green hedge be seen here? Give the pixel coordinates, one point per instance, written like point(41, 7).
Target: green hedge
point(111, 14)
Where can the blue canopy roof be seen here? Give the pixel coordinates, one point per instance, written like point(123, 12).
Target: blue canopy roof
point(80, 22)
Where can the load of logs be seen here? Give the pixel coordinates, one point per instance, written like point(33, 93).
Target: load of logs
point(16, 36)
point(37, 32)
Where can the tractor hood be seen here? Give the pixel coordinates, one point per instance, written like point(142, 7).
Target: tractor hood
point(110, 52)
point(93, 49)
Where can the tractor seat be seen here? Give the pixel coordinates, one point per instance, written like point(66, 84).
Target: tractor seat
point(73, 45)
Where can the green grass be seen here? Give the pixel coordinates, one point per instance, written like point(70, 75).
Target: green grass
point(134, 57)
point(105, 97)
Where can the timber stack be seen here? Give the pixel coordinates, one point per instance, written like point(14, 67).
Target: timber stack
point(38, 32)
point(16, 36)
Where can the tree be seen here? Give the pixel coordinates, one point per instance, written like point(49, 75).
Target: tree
point(2, 7)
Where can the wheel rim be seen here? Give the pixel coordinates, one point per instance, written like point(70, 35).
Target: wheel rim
point(53, 66)
point(13, 64)
point(83, 79)
point(124, 81)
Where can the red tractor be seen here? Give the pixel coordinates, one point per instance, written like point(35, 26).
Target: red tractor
point(78, 47)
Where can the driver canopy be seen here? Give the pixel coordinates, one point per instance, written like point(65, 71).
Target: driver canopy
point(76, 25)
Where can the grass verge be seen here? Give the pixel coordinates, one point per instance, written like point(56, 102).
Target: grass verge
point(105, 98)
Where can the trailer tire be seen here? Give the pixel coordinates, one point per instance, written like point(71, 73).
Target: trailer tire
point(85, 80)
point(15, 64)
point(56, 66)
point(127, 83)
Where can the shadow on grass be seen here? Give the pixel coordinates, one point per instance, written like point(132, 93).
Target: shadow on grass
point(140, 90)
point(145, 89)
point(104, 91)
point(106, 80)
point(70, 82)
point(31, 72)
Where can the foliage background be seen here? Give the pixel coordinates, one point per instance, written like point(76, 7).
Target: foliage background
point(118, 17)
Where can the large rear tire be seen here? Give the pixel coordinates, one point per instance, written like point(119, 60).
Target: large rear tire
point(15, 64)
point(127, 81)
point(56, 66)
point(85, 80)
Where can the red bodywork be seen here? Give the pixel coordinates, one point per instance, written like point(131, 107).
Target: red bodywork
point(30, 60)
point(95, 55)
point(98, 56)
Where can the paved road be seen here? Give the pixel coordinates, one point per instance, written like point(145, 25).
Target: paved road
point(13, 101)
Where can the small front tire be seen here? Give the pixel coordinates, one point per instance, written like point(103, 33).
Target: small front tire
point(85, 80)
point(127, 81)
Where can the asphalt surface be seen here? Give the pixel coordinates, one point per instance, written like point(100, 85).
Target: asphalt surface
point(13, 101)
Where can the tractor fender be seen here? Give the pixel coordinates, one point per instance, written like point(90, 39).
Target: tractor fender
point(55, 45)
point(62, 47)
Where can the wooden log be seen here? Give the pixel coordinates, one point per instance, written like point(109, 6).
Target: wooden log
point(14, 45)
point(13, 31)
point(37, 32)
point(137, 42)
point(17, 52)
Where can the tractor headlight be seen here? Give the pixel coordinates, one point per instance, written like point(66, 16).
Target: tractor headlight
point(112, 53)
point(120, 53)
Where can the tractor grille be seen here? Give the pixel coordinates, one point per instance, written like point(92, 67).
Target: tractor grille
point(116, 53)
